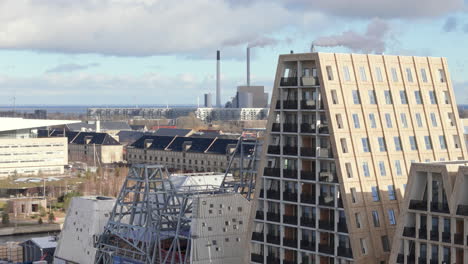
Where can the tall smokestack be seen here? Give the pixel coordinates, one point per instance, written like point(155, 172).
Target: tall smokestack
point(218, 81)
point(248, 66)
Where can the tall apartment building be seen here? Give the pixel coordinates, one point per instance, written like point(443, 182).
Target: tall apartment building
point(343, 130)
point(433, 225)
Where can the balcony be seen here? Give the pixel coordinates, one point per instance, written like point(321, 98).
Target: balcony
point(308, 245)
point(256, 258)
point(288, 242)
point(307, 221)
point(290, 219)
point(307, 198)
point(462, 210)
point(261, 193)
point(272, 172)
point(290, 196)
point(291, 174)
point(272, 239)
point(273, 194)
point(275, 127)
point(290, 104)
point(422, 260)
point(307, 128)
point(278, 104)
point(433, 261)
point(342, 226)
point(290, 127)
point(418, 205)
point(440, 207)
point(273, 260)
point(345, 252)
point(325, 153)
point(308, 175)
point(409, 232)
point(273, 217)
point(327, 200)
point(434, 235)
point(323, 129)
point(308, 104)
point(446, 237)
point(290, 150)
point(274, 150)
point(310, 81)
point(257, 236)
point(289, 261)
point(340, 203)
point(400, 258)
point(326, 176)
point(307, 152)
point(259, 215)
point(326, 249)
point(288, 81)
point(326, 225)
point(458, 239)
point(422, 233)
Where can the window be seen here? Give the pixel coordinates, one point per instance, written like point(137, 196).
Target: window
point(394, 75)
point(398, 168)
point(357, 216)
point(353, 195)
point(365, 145)
point(441, 75)
point(347, 76)
point(362, 71)
point(427, 141)
point(383, 172)
point(456, 141)
point(388, 119)
point(339, 121)
point(382, 146)
point(385, 243)
point(388, 97)
point(409, 75)
point(391, 217)
point(334, 97)
point(417, 97)
point(349, 169)
point(365, 169)
point(363, 246)
point(372, 99)
point(424, 75)
point(356, 98)
point(432, 97)
point(375, 194)
point(403, 98)
point(434, 120)
point(344, 146)
point(397, 142)
point(404, 122)
point(451, 119)
point(446, 97)
point(329, 73)
point(443, 143)
point(413, 143)
point(373, 124)
point(356, 121)
point(391, 192)
point(375, 218)
point(419, 120)
point(378, 74)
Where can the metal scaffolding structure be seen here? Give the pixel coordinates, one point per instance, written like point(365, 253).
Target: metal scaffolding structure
point(249, 147)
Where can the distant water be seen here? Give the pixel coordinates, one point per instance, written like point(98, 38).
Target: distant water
point(21, 238)
point(73, 109)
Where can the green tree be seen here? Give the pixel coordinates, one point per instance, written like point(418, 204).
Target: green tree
point(40, 221)
point(42, 211)
point(5, 218)
point(51, 217)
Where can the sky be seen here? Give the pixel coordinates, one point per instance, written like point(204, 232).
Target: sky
point(137, 52)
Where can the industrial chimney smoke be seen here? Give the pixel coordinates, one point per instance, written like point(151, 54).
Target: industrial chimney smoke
point(218, 81)
point(248, 66)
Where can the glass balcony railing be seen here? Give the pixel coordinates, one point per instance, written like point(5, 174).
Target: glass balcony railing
point(307, 128)
point(308, 175)
point(418, 205)
point(288, 81)
point(290, 219)
point(273, 217)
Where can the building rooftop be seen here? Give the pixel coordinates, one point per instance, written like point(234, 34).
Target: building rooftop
point(81, 138)
point(14, 123)
point(45, 242)
point(104, 125)
point(173, 132)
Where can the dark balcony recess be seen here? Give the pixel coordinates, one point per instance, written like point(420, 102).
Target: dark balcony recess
point(308, 175)
point(308, 245)
point(278, 104)
point(434, 234)
point(307, 128)
point(273, 239)
point(290, 150)
point(307, 152)
point(307, 198)
point(290, 127)
point(272, 194)
point(290, 104)
point(291, 174)
point(418, 205)
point(257, 236)
point(327, 225)
point(273, 217)
point(256, 258)
point(462, 210)
point(273, 260)
point(342, 227)
point(458, 239)
point(274, 150)
point(308, 104)
point(409, 232)
point(290, 219)
point(288, 81)
point(400, 258)
point(274, 172)
point(422, 233)
point(275, 127)
point(327, 249)
point(259, 215)
point(290, 196)
point(308, 222)
point(345, 252)
point(327, 201)
point(440, 207)
point(446, 237)
point(290, 242)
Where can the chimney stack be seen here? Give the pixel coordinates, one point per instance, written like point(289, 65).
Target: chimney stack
point(218, 82)
point(248, 66)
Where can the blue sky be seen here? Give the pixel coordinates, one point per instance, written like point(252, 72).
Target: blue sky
point(161, 51)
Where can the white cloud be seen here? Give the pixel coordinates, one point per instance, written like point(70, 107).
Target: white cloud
point(135, 28)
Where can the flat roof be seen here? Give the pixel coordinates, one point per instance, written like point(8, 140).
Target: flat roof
point(14, 123)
